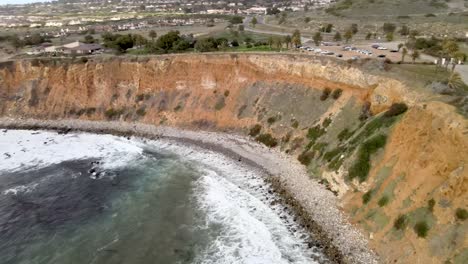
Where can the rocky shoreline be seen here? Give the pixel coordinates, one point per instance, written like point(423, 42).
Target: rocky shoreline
point(316, 207)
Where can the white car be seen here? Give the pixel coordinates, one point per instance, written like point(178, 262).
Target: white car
point(382, 48)
point(317, 50)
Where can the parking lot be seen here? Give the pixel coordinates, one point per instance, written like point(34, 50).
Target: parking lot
point(349, 51)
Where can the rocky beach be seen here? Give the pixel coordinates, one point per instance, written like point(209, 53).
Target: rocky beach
point(316, 208)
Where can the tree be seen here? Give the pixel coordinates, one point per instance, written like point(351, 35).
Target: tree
point(288, 40)
point(401, 45)
point(368, 36)
point(236, 20)
point(16, 42)
point(152, 35)
point(404, 31)
point(167, 41)
point(415, 55)
point(139, 40)
point(389, 36)
point(457, 56)
point(272, 11)
point(270, 41)
point(124, 42)
point(348, 35)
point(328, 28)
point(282, 20)
point(449, 48)
point(296, 38)
point(240, 28)
point(389, 27)
point(89, 39)
point(455, 81)
point(278, 42)
point(404, 52)
point(206, 44)
point(142, 7)
point(317, 38)
point(307, 19)
point(254, 21)
point(354, 28)
point(337, 36)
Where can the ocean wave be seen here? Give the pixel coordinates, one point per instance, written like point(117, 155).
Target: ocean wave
point(254, 227)
point(25, 150)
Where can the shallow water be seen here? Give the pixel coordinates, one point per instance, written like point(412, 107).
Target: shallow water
point(84, 198)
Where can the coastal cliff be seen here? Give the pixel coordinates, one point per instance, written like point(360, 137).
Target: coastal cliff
point(392, 170)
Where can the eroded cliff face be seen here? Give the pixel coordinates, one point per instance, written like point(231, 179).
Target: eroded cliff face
point(425, 156)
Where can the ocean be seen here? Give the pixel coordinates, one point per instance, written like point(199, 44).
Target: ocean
point(88, 198)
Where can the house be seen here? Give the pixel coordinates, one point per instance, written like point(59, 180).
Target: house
point(81, 48)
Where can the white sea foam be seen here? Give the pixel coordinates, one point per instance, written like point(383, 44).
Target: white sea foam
point(22, 149)
point(236, 198)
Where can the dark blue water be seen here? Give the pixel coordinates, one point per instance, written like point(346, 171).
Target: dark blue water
point(166, 203)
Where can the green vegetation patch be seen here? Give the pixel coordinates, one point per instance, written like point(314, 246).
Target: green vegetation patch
point(112, 113)
point(400, 222)
point(421, 228)
point(315, 133)
point(461, 214)
point(337, 93)
point(141, 111)
point(361, 167)
point(383, 201)
point(255, 130)
point(267, 139)
point(325, 94)
point(367, 197)
point(220, 103)
point(306, 157)
point(345, 134)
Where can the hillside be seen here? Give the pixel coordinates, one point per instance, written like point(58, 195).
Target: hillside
point(399, 172)
point(358, 8)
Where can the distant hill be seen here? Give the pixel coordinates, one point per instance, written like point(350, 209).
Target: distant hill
point(395, 7)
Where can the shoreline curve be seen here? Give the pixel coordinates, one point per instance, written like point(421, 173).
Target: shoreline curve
point(317, 208)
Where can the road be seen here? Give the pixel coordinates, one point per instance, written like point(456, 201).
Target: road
point(461, 69)
point(247, 27)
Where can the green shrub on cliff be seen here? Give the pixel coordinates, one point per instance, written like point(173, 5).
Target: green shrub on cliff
point(112, 113)
point(325, 93)
point(272, 119)
point(400, 222)
point(294, 123)
point(141, 111)
point(421, 228)
point(255, 130)
point(267, 139)
point(345, 134)
point(461, 214)
point(306, 157)
point(337, 93)
point(366, 197)
point(383, 201)
point(361, 167)
point(430, 205)
point(315, 132)
point(396, 109)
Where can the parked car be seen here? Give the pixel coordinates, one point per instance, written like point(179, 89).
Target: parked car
point(339, 55)
point(382, 48)
point(393, 50)
point(375, 46)
point(381, 56)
